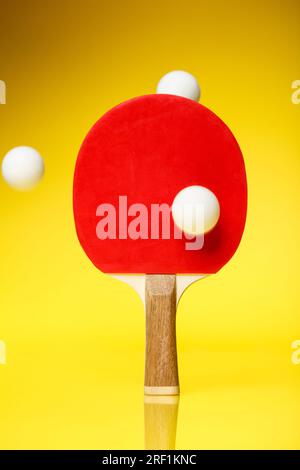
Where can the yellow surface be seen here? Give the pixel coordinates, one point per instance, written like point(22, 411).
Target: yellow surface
point(75, 337)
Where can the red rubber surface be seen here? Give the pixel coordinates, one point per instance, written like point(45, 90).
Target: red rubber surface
point(149, 148)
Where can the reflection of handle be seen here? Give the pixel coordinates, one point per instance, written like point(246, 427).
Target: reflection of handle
point(160, 415)
point(161, 372)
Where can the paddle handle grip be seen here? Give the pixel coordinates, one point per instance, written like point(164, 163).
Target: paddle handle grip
point(161, 370)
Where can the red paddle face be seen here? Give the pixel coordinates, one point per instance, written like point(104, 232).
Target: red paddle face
point(144, 152)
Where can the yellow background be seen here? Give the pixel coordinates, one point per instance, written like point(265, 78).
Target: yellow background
point(75, 337)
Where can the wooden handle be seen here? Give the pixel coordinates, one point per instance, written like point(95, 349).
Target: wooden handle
point(161, 371)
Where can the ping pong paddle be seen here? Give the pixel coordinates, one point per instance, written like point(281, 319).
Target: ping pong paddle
point(141, 154)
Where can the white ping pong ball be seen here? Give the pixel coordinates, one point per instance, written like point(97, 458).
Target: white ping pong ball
point(179, 83)
point(22, 167)
point(195, 200)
